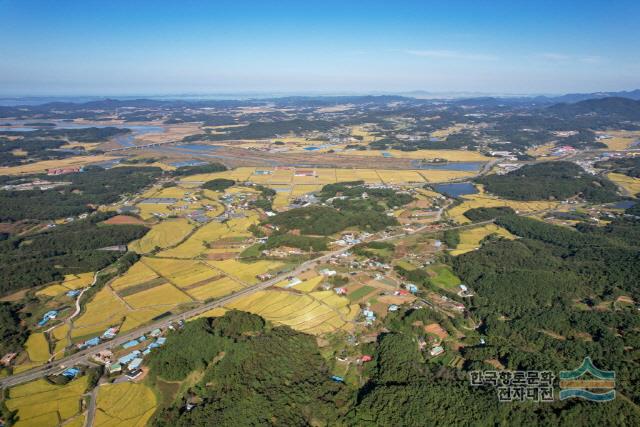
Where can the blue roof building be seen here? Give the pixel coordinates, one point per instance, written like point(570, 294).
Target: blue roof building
point(130, 344)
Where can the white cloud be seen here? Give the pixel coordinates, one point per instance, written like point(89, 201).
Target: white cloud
point(451, 54)
point(562, 57)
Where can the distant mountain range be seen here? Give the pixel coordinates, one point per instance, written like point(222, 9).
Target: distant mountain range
point(612, 107)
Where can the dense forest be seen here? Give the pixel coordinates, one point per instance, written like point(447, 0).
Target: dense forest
point(198, 169)
point(35, 259)
point(253, 374)
point(549, 299)
point(551, 180)
point(95, 186)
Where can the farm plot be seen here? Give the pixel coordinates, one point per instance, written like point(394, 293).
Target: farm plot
point(215, 289)
point(37, 347)
point(165, 294)
point(313, 312)
point(245, 272)
point(182, 273)
point(136, 276)
point(103, 311)
point(124, 404)
point(470, 238)
point(165, 234)
point(71, 282)
point(629, 184)
point(197, 244)
point(472, 201)
point(42, 404)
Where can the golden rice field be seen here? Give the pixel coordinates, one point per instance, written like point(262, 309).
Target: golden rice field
point(443, 133)
point(42, 404)
point(314, 313)
point(181, 273)
point(629, 184)
point(124, 404)
point(245, 272)
point(52, 291)
point(165, 294)
point(137, 274)
point(196, 244)
point(484, 200)
point(37, 347)
point(59, 334)
point(103, 311)
point(470, 238)
point(70, 282)
point(279, 177)
point(306, 285)
point(162, 235)
point(215, 289)
point(621, 140)
point(53, 164)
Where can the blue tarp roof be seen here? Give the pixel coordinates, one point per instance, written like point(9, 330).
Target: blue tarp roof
point(130, 344)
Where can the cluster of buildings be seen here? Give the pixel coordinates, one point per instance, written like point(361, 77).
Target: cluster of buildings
point(131, 361)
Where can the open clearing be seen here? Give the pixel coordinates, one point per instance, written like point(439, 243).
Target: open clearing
point(470, 238)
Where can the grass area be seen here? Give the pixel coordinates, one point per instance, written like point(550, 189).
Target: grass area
point(443, 277)
point(360, 293)
point(470, 238)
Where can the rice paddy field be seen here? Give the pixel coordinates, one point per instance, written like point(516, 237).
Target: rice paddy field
point(629, 184)
point(124, 405)
point(315, 313)
point(103, 311)
point(162, 235)
point(245, 272)
point(484, 200)
point(470, 238)
point(42, 404)
point(42, 166)
point(162, 295)
point(37, 348)
point(620, 139)
point(182, 273)
point(196, 244)
point(70, 282)
point(285, 176)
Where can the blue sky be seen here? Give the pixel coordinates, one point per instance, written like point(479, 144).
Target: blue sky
point(168, 47)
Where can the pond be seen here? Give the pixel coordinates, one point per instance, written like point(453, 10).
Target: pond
point(456, 189)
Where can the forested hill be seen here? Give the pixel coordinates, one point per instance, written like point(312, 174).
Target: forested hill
point(87, 190)
point(550, 180)
point(614, 107)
